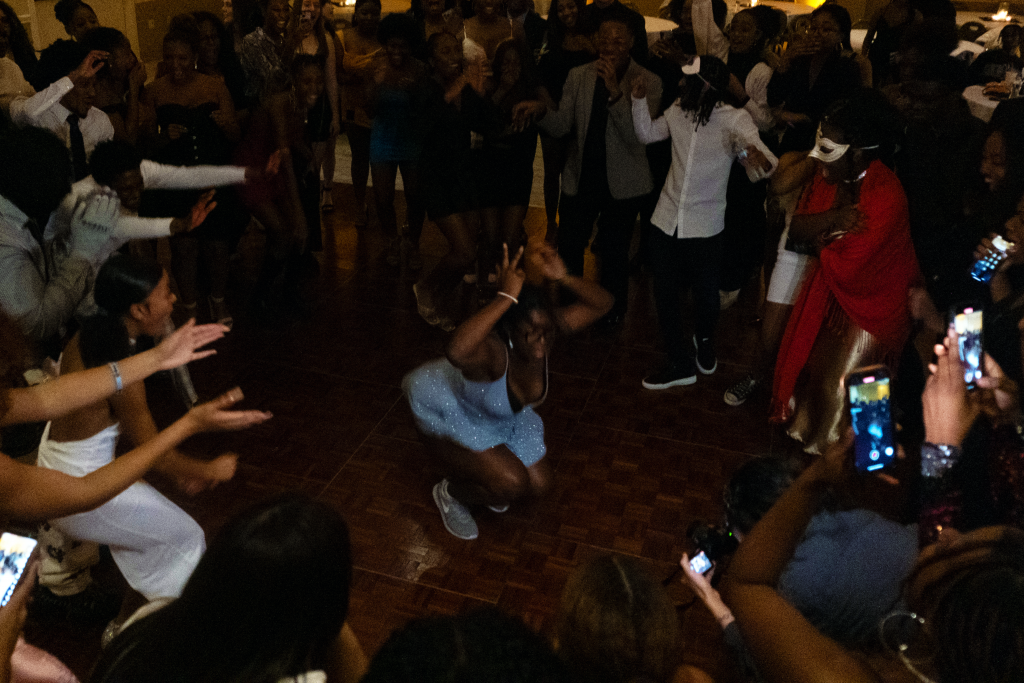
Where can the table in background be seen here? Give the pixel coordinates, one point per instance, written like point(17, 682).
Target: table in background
point(980, 105)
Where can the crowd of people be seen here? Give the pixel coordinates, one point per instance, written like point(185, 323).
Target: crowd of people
point(746, 150)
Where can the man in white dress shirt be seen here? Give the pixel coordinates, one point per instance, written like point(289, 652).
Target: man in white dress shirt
point(64, 106)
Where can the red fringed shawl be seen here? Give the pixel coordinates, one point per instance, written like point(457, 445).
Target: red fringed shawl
point(867, 274)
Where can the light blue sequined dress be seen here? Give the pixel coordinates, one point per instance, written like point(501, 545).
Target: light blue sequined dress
point(476, 415)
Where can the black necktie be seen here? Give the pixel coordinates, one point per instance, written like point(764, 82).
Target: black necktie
point(77, 148)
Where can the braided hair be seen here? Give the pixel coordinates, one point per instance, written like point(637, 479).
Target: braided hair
point(702, 91)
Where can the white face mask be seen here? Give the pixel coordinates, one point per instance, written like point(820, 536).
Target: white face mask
point(826, 150)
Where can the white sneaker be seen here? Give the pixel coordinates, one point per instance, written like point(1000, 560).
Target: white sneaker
point(454, 514)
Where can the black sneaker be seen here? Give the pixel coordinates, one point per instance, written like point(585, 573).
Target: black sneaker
point(742, 390)
point(707, 362)
point(671, 376)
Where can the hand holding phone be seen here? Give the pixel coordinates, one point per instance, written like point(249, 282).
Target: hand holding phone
point(14, 554)
point(985, 267)
point(700, 563)
point(871, 416)
point(967, 323)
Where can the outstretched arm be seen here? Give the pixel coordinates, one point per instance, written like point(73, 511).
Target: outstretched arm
point(785, 646)
point(71, 392)
point(191, 475)
point(32, 493)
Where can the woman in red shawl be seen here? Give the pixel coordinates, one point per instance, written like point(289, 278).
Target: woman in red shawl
point(852, 310)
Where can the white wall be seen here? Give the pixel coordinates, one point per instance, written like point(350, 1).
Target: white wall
point(45, 29)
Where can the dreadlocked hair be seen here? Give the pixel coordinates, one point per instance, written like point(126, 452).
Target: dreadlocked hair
point(868, 120)
point(702, 91)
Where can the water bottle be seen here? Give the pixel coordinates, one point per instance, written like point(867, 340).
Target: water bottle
point(984, 268)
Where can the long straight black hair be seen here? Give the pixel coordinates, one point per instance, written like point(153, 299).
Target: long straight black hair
point(122, 282)
point(266, 602)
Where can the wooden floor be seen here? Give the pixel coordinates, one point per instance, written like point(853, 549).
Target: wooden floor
point(633, 468)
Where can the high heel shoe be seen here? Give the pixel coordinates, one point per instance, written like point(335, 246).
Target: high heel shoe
point(219, 312)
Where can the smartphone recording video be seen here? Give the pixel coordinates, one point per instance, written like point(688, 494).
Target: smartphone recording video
point(14, 553)
point(871, 415)
point(700, 563)
point(967, 321)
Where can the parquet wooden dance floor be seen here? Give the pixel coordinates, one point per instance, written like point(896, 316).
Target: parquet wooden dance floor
point(633, 468)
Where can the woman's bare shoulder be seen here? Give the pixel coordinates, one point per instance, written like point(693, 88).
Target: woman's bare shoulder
point(691, 674)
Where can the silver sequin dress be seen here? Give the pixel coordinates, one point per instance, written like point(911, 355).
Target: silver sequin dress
point(476, 415)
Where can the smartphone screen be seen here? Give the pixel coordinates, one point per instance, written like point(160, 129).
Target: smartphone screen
point(874, 445)
point(14, 554)
point(967, 324)
point(700, 563)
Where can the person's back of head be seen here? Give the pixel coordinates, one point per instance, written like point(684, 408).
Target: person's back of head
point(703, 89)
point(57, 61)
point(970, 593)
point(485, 645)
point(112, 158)
point(753, 489)
point(617, 624)
point(42, 175)
point(267, 601)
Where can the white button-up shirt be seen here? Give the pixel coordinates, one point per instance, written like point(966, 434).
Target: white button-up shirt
point(45, 111)
point(693, 199)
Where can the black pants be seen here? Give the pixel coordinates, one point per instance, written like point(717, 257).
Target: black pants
point(615, 220)
point(745, 227)
point(691, 262)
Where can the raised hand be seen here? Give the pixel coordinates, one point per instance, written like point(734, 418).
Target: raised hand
point(542, 259)
point(182, 346)
point(89, 67)
point(510, 276)
point(216, 415)
point(949, 409)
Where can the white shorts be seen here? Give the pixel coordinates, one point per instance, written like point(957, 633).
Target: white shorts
point(789, 274)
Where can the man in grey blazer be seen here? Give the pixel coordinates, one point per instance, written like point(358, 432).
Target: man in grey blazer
point(606, 177)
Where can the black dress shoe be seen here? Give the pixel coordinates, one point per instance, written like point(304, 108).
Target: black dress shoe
point(93, 606)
